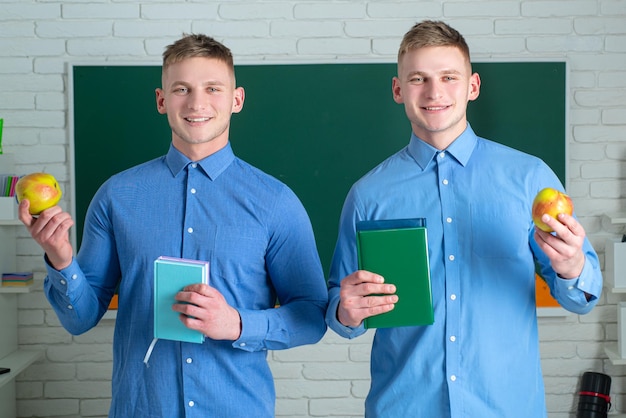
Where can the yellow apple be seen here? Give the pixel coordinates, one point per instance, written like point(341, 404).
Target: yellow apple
point(552, 202)
point(41, 189)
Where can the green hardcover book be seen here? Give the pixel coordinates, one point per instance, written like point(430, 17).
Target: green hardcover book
point(397, 249)
point(171, 275)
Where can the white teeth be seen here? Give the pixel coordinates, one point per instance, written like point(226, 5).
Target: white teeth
point(197, 119)
point(435, 108)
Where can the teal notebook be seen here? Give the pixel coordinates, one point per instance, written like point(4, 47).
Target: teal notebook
point(171, 275)
point(397, 249)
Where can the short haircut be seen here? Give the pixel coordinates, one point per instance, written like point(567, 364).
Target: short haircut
point(197, 45)
point(432, 33)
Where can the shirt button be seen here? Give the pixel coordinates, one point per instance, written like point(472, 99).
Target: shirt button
point(193, 191)
point(449, 220)
point(442, 154)
point(453, 296)
point(451, 257)
point(74, 277)
point(582, 283)
point(191, 403)
point(62, 282)
point(189, 360)
point(445, 181)
point(242, 344)
point(70, 307)
point(194, 165)
point(453, 378)
point(452, 338)
point(190, 230)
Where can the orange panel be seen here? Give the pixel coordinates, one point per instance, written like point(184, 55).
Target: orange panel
point(542, 294)
point(113, 304)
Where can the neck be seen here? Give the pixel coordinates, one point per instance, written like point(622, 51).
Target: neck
point(199, 151)
point(439, 139)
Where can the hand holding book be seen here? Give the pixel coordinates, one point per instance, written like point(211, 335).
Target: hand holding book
point(205, 309)
point(364, 294)
point(392, 286)
point(171, 275)
point(186, 308)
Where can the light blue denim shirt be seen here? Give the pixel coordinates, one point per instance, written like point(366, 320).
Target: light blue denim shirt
point(480, 358)
point(258, 239)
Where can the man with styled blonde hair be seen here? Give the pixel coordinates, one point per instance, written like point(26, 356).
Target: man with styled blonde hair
point(480, 357)
point(200, 202)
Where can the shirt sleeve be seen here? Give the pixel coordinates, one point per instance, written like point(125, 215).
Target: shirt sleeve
point(333, 322)
point(344, 262)
point(296, 274)
point(572, 293)
point(73, 299)
point(80, 293)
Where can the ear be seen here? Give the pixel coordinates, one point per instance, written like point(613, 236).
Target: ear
point(160, 101)
point(396, 90)
point(474, 87)
point(238, 98)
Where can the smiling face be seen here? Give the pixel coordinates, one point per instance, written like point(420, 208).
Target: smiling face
point(435, 84)
point(199, 96)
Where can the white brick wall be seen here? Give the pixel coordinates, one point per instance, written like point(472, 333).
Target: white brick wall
point(329, 379)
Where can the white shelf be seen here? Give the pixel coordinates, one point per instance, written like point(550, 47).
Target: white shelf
point(612, 352)
point(18, 361)
point(11, 355)
point(617, 218)
point(552, 312)
point(16, 289)
point(614, 273)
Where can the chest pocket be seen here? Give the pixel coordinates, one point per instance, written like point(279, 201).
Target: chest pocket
point(497, 232)
point(239, 254)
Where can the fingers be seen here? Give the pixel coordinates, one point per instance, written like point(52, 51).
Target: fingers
point(565, 226)
point(361, 283)
point(205, 309)
point(50, 230)
point(364, 294)
point(564, 248)
point(45, 224)
point(23, 214)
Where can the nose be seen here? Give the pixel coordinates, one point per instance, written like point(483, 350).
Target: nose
point(433, 89)
point(196, 101)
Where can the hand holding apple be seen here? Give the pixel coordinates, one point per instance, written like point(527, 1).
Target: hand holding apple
point(552, 202)
point(41, 189)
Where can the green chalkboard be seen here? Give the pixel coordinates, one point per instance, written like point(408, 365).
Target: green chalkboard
point(316, 127)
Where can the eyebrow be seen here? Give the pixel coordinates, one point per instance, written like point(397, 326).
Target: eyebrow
point(206, 83)
point(446, 71)
point(209, 83)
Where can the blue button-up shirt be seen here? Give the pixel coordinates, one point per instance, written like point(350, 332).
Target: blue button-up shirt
point(480, 358)
point(258, 239)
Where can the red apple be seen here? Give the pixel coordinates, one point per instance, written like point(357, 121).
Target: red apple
point(41, 189)
point(552, 202)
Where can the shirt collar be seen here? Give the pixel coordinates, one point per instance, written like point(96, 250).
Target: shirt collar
point(461, 148)
point(213, 165)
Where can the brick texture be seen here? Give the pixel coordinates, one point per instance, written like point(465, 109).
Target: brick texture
point(329, 379)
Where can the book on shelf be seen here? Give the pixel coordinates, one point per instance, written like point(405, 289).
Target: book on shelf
point(20, 279)
point(397, 249)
